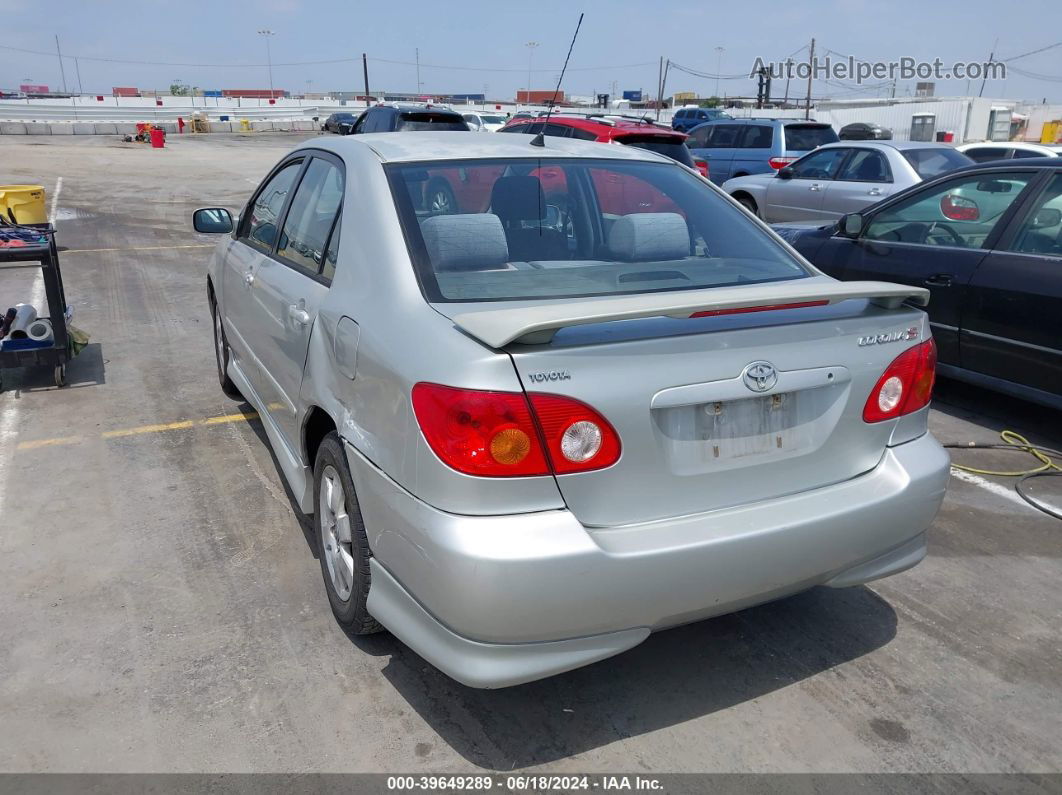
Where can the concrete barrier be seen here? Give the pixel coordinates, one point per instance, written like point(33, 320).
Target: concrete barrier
point(62, 129)
point(38, 128)
point(12, 128)
point(105, 129)
point(82, 128)
point(125, 129)
point(261, 125)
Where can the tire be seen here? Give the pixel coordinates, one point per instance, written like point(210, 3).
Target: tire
point(439, 199)
point(345, 563)
point(221, 355)
point(748, 203)
point(60, 375)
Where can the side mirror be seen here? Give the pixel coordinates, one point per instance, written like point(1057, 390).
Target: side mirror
point(785, 173)
point(1047, 217)
point(851, 225)
point(212, 221)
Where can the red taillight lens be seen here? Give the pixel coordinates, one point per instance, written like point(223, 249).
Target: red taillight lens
point(497, 434)
point(578, 437)
point(480, 433)
point(905, 386)
point(780, 162)
point(702, 166)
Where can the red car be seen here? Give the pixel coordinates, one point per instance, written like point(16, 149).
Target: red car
point(630, 130)
point(449, 191)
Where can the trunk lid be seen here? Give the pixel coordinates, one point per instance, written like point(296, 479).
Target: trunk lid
point(696, 436)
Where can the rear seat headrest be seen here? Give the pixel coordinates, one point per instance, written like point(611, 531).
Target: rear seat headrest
point(465, 242)
point(518, 198)
point(641, 237)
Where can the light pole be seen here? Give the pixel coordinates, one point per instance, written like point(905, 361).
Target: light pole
point(718, 67)
point(531, 45)
point(269, 58)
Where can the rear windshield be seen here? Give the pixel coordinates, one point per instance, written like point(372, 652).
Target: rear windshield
point(520, 229)
point(430, 121)
point(674, 148)
point(928, 163)
point(805, 137)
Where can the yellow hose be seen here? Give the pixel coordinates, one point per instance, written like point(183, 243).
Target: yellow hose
point(1018, 442)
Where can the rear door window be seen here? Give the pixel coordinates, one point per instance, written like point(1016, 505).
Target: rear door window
point(583, 135)
point(866, 165)
point(669, 147)
point(699, 136)
point(757, 136)
point(805, 137)
point(983, 154)
point(311, 216)
point(1028, 153)
point(558, 130)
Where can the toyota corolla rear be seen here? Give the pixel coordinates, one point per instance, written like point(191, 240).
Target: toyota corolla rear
point(683, 419)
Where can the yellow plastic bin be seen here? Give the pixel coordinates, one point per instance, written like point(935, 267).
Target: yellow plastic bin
point(24, 204)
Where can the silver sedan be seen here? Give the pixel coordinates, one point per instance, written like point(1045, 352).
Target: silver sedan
point(842, 178)
point(589, 400)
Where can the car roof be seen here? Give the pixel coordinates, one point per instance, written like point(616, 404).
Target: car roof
point(766, 120)
point(1010, 165)
point(407, 147)
point(605, 123)
point(1031, 146)
point(898, 145)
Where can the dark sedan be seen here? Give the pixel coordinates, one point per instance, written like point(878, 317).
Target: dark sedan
point(340, 123)
point(987, 242)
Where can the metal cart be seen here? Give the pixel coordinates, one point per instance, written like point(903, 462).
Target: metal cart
point(45, 256)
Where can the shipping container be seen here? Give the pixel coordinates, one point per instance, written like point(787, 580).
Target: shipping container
point(255, 93)
point(125, 91)
point(539, 97)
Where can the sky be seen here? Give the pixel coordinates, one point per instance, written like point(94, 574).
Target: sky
point(474, 46)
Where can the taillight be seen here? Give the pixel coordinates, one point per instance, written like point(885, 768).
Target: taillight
point(905, 386)
point(780, 162)
point(702, 166)
point(478, 432)
point(959, 208)
point(578, 437)
point(499, 434)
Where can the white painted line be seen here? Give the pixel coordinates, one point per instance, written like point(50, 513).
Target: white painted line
point(998, 489)
point(55, 200)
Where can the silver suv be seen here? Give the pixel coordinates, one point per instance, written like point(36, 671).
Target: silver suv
point(600, 401)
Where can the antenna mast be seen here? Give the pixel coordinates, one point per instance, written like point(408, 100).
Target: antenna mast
point(540, 139)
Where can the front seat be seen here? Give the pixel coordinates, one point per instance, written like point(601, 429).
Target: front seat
point(516, 200)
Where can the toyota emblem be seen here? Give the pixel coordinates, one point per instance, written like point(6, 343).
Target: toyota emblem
point(760, 376)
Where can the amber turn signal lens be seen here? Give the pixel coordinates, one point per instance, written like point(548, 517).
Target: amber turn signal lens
point(510, 446)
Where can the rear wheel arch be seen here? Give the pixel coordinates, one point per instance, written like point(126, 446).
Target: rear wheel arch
point(315, 428)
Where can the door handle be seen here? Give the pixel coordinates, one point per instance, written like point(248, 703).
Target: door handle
point(248, 278)
point(298, 315)
point(815, 186)
point(874, 192)
point(938, 280)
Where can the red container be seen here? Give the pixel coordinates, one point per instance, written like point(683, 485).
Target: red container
point(158, 138)
point(140, 127)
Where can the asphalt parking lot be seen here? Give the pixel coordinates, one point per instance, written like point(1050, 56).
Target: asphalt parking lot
point(163, 609)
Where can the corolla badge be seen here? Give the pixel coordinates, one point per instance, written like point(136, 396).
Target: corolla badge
point(760, 376)
point(894, 336)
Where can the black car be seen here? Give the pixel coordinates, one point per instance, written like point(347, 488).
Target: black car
point(987, 242)
point(864, 131)
point(401, 117)
point(340, 123)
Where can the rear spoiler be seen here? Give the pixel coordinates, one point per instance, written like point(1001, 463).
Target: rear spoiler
point(537, 323)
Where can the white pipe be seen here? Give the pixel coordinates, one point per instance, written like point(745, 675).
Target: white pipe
point(40, 330)
point(25, 314)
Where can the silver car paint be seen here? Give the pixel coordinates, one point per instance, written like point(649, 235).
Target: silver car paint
point(779, 200)
point(494, 565)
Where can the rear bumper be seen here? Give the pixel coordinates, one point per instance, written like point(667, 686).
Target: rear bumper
point(498, 600)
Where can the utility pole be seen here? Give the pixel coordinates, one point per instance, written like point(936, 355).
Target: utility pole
point(811, 73)
point(418, 72)
point(365, 71)
point(60, 54)
point(77, 68)
point(531, 45)
point(718, 66)
point(788, 71)
point(269, 58)
point(991, 57)
point(660, 88)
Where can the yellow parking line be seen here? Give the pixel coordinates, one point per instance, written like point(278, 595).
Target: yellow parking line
point(48, 442)
point(143, 429)
point(132, 248)
point(165, 426)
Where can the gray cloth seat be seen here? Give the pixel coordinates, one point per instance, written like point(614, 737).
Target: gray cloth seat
point(516, 199)
point(465, 242)
point(642, 237)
